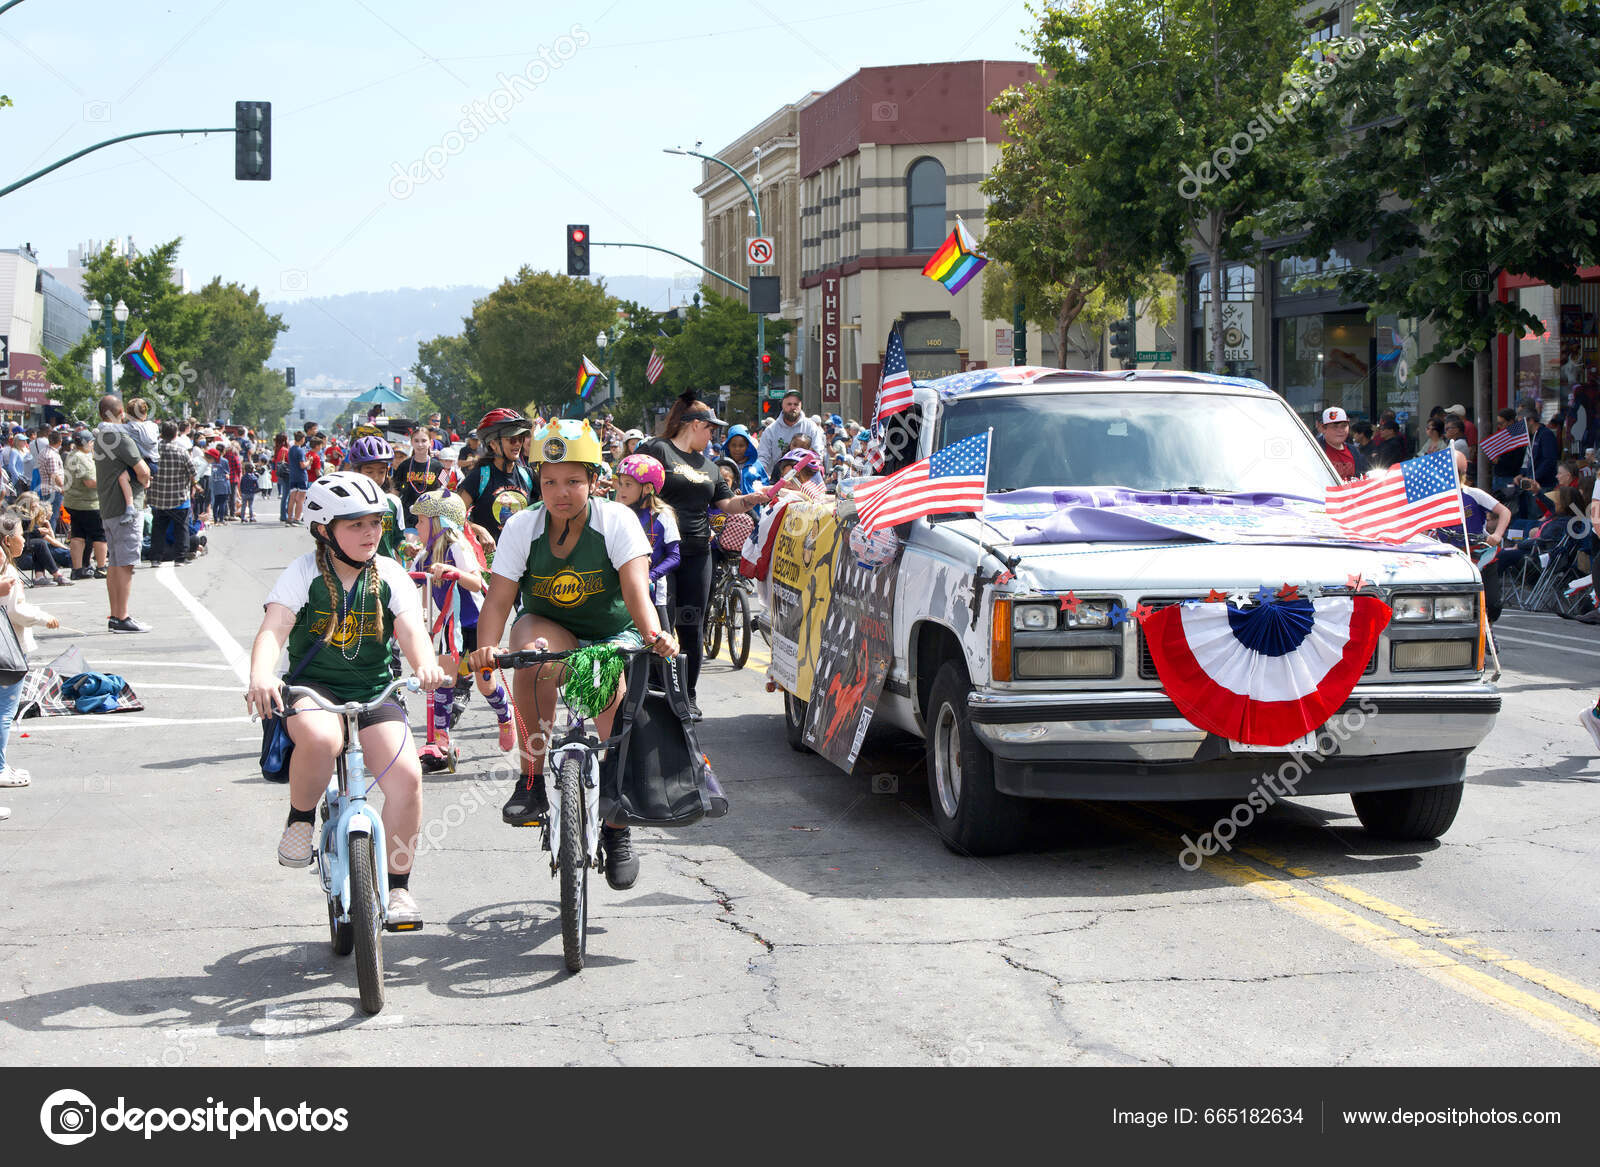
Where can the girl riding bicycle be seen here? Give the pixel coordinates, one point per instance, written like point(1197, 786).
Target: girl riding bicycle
point(448, 556)
point(581, 566)
point(339, 608)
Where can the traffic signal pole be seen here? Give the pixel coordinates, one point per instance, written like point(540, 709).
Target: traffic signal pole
point(685, 258)
point(22, 182)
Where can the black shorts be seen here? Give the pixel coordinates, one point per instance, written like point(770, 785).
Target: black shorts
point(390, 710)
point(86, 525)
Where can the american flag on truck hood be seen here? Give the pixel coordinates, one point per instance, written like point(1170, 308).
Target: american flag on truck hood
point(1414, 496)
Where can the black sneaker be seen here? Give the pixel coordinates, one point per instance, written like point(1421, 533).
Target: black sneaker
point(622, 865)
point(527, 806)
point(127, 624)
point(694, 711)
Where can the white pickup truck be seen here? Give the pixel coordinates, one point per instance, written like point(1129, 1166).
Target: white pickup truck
point(1020, 693)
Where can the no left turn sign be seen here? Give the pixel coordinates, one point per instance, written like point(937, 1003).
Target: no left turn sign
point(758, 250)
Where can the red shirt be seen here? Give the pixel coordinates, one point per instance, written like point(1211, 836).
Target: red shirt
point(1343, 461)
point(235, 467)
point(313, 466)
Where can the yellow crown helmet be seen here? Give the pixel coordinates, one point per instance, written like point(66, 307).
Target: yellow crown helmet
point(566, 441)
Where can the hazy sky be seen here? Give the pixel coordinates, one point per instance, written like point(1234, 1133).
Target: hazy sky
point(364, 91)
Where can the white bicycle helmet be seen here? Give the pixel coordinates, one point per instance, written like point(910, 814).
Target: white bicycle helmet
point(343, 494)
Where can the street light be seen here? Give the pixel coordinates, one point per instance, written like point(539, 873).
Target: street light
point(602, 342)
point(103, 311)
point(755, 204)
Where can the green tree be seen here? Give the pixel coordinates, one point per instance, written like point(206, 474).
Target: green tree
point(527, 337)
point(445, 373)
point(239, 337)
point(1476, 152)
point(261, 400)
point(716, 346)
point(1159, 123)
point(176, 324)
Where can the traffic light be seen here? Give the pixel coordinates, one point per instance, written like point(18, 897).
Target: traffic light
point(397, 383)
point(766, 406)
point(288, 377)
point(1122, 339)
point(252, 141)
point(577, 249)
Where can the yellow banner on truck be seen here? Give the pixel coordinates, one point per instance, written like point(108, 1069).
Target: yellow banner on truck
point(802, 585)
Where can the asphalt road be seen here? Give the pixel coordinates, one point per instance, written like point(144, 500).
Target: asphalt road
point(145, 920)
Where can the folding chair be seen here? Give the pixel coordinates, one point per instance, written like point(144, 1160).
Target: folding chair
point(1558, 569)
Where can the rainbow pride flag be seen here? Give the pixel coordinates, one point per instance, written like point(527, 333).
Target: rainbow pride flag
point(956, 261)
point(588, 375)
point(141, 354)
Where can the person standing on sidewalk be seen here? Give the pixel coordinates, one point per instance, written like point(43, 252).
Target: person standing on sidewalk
point(52, 474)
point(116, 454)
point(170, 492)
point(83, 510)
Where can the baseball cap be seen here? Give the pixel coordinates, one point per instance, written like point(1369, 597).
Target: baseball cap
point(1332, 414)
point(1458, 410)
point(703, 412)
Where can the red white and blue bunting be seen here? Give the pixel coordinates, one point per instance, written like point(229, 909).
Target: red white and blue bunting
point(1268, 674)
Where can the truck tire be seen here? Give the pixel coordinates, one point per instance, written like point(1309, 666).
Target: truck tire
point(973, 817)
point(794, 723)
point(1422, 812)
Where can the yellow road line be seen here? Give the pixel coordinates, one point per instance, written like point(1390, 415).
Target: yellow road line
point(1386, 941)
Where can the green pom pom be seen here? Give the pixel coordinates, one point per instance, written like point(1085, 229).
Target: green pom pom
point(592, 676)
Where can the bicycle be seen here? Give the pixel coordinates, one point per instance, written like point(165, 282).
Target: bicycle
point(571, 832)
point(352, 860)
point(729, 609)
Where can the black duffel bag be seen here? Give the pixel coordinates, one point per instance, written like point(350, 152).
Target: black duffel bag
point(657, 776)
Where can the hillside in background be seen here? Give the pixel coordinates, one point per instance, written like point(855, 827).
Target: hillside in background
point(349, 343)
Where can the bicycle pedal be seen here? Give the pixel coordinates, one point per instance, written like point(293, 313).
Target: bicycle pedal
point(402, 927)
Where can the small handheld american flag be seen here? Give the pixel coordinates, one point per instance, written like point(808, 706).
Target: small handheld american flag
point(953, 479)
point(1513, 437)
point(1414, 496)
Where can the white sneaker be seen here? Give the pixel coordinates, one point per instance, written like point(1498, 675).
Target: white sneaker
point(5, 813)
point(1591, 722)
point(404, 915)
point(294, 848)
point(11, 776)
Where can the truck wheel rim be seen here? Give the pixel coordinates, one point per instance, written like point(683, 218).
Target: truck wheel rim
point(947, 761)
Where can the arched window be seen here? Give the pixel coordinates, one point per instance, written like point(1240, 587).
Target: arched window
point(925, 205)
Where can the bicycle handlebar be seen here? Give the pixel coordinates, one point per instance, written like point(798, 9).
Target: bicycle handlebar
point(411, 684)
point(528, 658)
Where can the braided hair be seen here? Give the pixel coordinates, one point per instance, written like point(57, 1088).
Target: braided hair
point(330, 580)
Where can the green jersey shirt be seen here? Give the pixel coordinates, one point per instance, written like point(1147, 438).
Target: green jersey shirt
point(354, 665)
point(583, 592)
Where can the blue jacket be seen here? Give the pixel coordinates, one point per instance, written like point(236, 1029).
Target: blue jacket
point(1545, 453)
point(752, 474)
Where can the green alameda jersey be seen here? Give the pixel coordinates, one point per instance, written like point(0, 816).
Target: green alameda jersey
point(354, 665)
point(583, 592)
point(393, 524)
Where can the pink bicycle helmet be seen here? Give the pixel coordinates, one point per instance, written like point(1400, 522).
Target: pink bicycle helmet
point(643, 469)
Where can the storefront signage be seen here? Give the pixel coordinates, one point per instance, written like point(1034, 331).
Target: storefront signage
point(830, 340)
point(1238, 330)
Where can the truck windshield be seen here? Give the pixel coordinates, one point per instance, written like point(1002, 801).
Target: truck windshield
point(1145, 441)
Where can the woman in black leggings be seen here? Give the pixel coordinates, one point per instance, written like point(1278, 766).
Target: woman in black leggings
point(693, 487)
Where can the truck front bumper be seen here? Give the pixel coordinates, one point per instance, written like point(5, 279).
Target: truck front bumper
point(1136, 745)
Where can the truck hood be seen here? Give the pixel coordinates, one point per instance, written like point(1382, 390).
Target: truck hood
point(1190, 566)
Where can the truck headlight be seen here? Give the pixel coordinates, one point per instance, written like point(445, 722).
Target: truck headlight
point(1419, 655)
point(1090, 614)
point(1413, 608)
point(1455, 608)
point(1040, 663)
point(1033, 617)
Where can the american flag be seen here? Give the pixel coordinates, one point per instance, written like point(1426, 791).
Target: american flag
point(655, 367)
point(953, 479)
point(1513, 437)
point(1414, 496)
point(894, 384)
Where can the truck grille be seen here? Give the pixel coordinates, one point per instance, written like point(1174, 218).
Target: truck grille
point(1147, 665)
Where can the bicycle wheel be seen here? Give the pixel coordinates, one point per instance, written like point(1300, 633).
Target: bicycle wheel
point(713, 624)
point(366, 920)
point(736, 615)
point(574, 864)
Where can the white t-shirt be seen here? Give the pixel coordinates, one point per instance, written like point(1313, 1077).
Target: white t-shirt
point(293, 589)
point(618, 525)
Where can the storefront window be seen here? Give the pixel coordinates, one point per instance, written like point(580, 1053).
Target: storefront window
point(1326, 359)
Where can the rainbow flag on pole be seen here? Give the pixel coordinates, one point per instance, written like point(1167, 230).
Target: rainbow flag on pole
point(956, 261)
point(141, 354)
point(587, 376)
